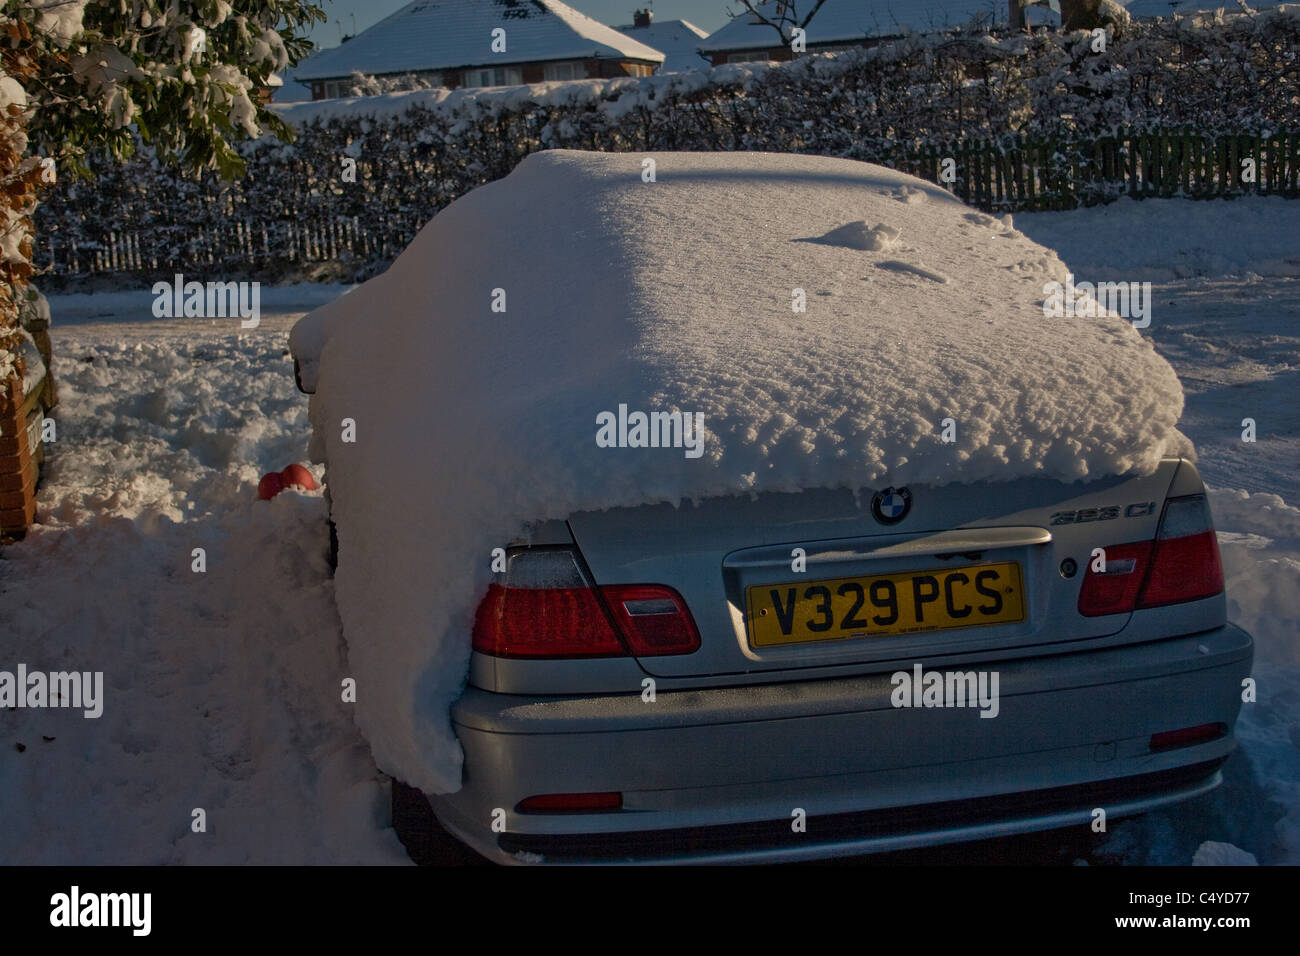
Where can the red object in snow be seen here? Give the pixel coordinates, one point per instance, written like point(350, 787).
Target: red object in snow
point(272, 484)
point(298, 476)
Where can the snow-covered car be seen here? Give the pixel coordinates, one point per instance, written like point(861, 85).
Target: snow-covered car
point(746, 507)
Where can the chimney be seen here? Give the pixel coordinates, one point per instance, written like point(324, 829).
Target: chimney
point(643, 18)
point(1018, 21)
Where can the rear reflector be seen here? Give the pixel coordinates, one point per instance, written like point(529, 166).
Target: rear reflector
point(548, 608)
point(1181, 565)
point(1201, 733)
point(571, 803)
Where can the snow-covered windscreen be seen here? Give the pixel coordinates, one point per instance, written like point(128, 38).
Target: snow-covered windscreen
point(688, 325)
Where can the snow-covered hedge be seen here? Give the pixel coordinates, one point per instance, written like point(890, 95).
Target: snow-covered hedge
point(365, 174)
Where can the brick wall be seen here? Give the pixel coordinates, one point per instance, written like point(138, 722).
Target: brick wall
point(18, 468)
point(21, 451)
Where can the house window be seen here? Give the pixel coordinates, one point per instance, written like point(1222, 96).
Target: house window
point(495, 76)
point(333, 89)
point(576, 70)
point(751, 57)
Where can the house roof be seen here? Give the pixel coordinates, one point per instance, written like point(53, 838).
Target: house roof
point(1167, 8)
point(678, 40)
point(293, 91)
point(446, 34)
point(850, 20)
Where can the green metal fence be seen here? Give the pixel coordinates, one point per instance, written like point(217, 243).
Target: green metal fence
point(1013, 174)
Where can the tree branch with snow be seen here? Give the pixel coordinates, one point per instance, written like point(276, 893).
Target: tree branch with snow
point(86, 77)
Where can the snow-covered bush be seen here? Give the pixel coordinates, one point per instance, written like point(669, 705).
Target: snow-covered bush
point(21, 177)
point(362, 85)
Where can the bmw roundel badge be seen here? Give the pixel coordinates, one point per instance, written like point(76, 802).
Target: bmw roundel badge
point(891, 505)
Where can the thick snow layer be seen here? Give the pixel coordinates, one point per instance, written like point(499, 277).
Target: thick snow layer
point(1257, 235)
point(679, 294)
point(221, 688)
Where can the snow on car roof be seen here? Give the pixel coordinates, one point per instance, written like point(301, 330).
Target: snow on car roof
point(475, 370)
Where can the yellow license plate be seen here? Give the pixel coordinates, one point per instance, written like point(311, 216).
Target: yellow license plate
point(884, 605)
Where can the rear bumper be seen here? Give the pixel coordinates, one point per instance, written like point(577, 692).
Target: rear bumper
point(717, 775)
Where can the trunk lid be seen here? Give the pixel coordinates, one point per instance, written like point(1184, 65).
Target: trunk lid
point(733, 560)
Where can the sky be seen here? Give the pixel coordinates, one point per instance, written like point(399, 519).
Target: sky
point(708, 15)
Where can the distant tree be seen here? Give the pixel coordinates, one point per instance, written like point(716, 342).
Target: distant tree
point(783, 15)
point(85, 77)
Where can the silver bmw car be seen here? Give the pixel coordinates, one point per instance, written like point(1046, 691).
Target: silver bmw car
point(932, 666)
point(779, 675)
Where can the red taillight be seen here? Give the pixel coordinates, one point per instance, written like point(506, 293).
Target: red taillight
point(571, 803)
point(653, 619)
point(1184, 569)
point(544, 622)
point(1201, 733)
point(1116, 591)
point(547, 608)
point(1182, 564)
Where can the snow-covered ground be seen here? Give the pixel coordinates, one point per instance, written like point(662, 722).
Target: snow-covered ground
point(1226, 278)
point(223, 687)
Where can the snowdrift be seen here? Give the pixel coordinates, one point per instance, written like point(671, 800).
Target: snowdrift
point(679, 295)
